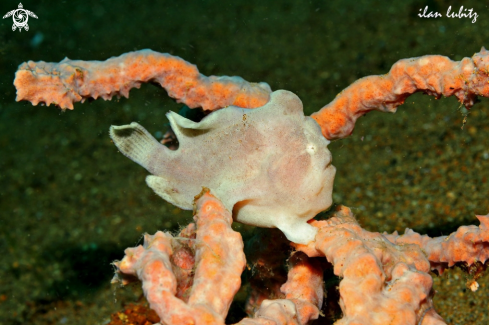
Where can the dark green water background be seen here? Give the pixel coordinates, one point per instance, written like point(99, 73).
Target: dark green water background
point(70, 203)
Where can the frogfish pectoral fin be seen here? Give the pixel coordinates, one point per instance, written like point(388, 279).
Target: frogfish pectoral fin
point(299, 232)
point(169, 192)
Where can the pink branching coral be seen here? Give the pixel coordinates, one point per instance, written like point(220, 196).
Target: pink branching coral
point(262, 162)
point(385, 278)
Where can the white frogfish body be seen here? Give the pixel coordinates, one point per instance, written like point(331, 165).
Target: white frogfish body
point(270, 165)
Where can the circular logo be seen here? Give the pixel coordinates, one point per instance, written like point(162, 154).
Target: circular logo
point(20, 17)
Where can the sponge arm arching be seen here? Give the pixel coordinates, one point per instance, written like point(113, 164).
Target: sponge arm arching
point(71, 81)
point(434, 75)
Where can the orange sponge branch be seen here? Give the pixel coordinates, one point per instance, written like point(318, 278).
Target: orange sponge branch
point(434, 75)
point(70, 81)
